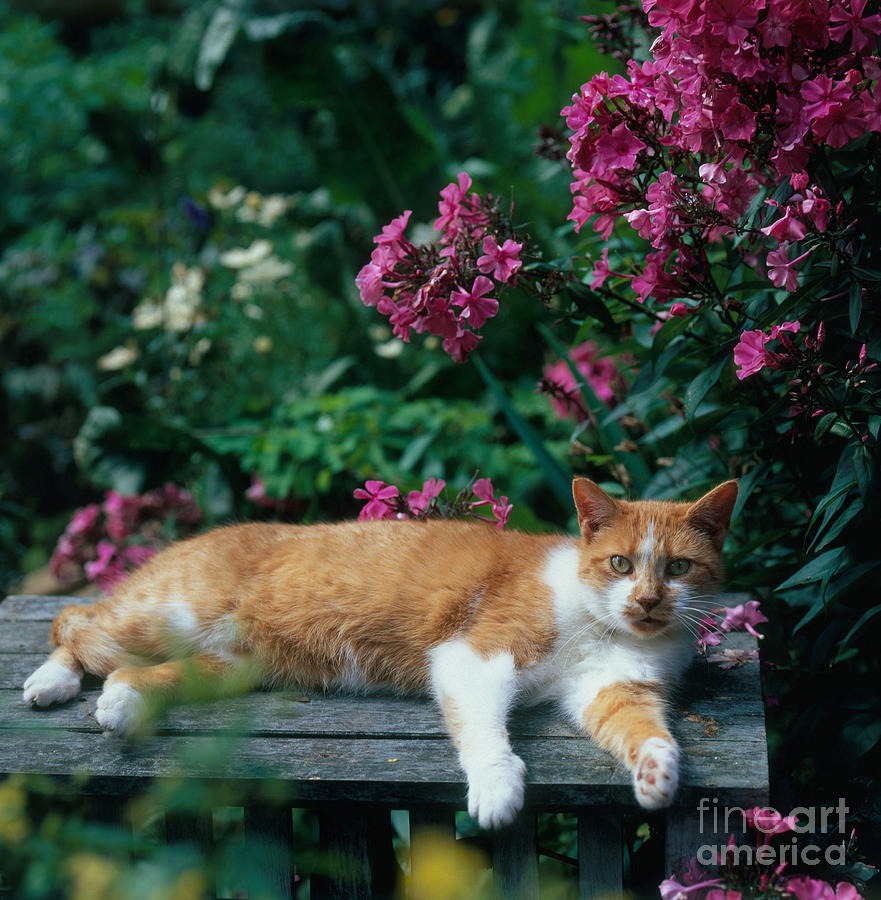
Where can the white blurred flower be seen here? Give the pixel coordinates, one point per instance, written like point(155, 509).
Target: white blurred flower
point(266, 271)
point(390, 349)
point(118, 358)
point(147, 314)
point(198, 350)
point(220, 200)
point(240, 257)
point(180, 309)
point(253, 311)
point(262, 343)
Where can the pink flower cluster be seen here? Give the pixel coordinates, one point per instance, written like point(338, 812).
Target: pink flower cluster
point(444, 288)
point(711, 627)
point(561, 386)
point(385, 501)
point(105, 542)
point(739, 95)
point(751, 354)
point(764, 877)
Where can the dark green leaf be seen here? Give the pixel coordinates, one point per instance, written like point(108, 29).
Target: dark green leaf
point(702, 385)
point(855, 306)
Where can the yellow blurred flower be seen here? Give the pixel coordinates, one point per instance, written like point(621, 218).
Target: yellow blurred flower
point(92, 876)
point(262, 343)
point(447, 869)
point(14, 826)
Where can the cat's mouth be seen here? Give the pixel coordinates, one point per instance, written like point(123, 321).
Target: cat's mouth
point(647, 625)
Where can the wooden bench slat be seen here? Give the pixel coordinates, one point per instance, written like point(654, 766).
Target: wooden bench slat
point(269, 842)
point(600, 855)
point(515, 859)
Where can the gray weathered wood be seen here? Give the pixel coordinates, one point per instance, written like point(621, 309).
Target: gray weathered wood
point(600, 855)
point(269, 839)
point(682, 840)
point(515, 859)
point(357, 843)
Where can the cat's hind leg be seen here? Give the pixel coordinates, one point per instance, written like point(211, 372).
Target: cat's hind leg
point(131, 694)
point(475, 694)
point(84, 645)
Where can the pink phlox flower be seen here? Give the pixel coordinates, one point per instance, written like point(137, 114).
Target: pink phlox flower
point(732, 659)
point(821, 93)
point(501, 509)
point(601, 270)
point(770, 821)
point(844, 890)
point(679, 310)
point(735, 120)
point(460, 345)
point(108, 568)
point(840, 123)
point(732, 19)
point(378, 494)
point(369, 283)
point(671, 889)
point(122, 513)
point(503, 262)
point(805, 888)
point(478, 307)
point(419, 501)
point(452, 203)
point(863, 31)
point(749, 354)
point(393, 233)
point(600, 372)
point(775, 28)
point(744, 616)
point(708, 633)
point(712, 173)
point(722, 894)
point(781, 270)
point(786, 228)
point(776, 331)
point(483, 488)
point(618, 148)
point(84, 520)
point(135, 555)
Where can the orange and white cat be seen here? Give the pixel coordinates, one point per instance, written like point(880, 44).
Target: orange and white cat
point(603, 624)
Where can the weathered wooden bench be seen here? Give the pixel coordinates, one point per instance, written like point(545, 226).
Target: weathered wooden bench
point(353, 759)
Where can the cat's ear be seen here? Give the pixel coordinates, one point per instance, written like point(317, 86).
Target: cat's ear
point(595, 508)
point(712, 513)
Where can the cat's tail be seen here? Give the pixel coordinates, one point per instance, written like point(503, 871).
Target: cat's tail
point(84, 645)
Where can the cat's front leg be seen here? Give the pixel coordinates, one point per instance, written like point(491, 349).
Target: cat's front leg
point(627, 719)
point(475, 694)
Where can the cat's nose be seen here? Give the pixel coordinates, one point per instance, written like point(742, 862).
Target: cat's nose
point(648, 603)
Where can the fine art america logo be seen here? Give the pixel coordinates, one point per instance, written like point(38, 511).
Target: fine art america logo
point(801, 828)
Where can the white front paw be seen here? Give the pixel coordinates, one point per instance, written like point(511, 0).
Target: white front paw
point(495, 790)
point(656, 775)
point(119, 708)
point(51, 683)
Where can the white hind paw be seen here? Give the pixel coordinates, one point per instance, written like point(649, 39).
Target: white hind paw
point(119, 708)
point(657, 773)
point(51, 683)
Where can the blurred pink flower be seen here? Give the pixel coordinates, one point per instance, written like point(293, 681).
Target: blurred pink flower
point(600, 372)
point(744, 617)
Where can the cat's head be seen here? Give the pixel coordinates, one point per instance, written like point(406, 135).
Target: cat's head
point(652, 563)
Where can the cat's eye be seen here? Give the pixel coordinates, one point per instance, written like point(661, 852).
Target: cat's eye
point(678, 566)
point(621, 565)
